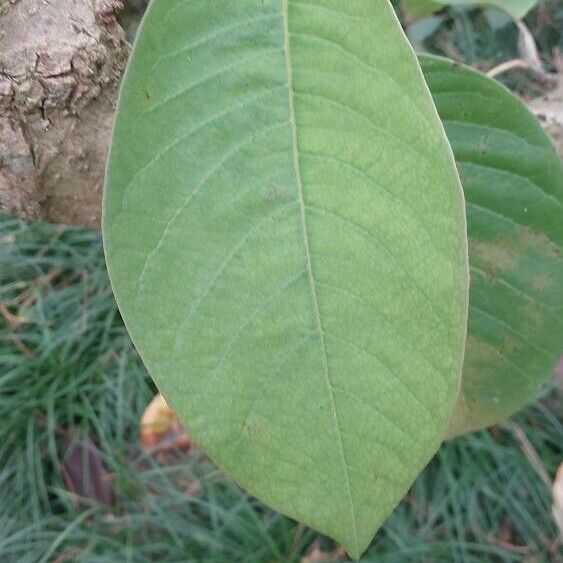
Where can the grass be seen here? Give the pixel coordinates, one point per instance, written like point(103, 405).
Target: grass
point(67, 367)
point(67, 362)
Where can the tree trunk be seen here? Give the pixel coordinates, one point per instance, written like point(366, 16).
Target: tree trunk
point(61, 62)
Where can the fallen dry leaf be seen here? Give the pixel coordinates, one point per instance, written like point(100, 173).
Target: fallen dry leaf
point(83, 469)
point(315, 553)
point(160, 428)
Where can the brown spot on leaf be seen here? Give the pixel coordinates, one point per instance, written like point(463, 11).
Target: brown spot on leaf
point(493, 257)
point(483, 146)
point(505, 253)
point(509, 344)
point(541, 282)
point(272, 193)
point(479, 352)
point(534, 314)
point(529, 239)
point(254, 428)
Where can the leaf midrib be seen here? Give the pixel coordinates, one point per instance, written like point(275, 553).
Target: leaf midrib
point(311, 278)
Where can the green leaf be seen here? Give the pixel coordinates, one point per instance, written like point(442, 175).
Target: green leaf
point(418, 9)
point(421, 8)
point(285, 234)
point(422, 29)
point(513, 182)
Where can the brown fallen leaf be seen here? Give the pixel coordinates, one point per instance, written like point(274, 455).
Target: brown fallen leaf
point(558, 499)
point(160, 428)
point(315, 553)
point(83, 469)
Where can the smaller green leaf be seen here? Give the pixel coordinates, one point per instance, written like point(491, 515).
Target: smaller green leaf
point(423, 29)
point(497, 19)
point(422, 8)
point(513, 183)
point(418, 9)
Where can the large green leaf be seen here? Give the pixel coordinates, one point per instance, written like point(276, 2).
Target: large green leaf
point(513, 182)
point(285, 234)
point(421, 8)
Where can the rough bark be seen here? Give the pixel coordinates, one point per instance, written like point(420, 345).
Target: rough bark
point(60, 66)
point(61, 62)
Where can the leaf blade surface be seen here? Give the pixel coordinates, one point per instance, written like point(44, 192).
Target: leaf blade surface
point(279, 179)
point(513, 182)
